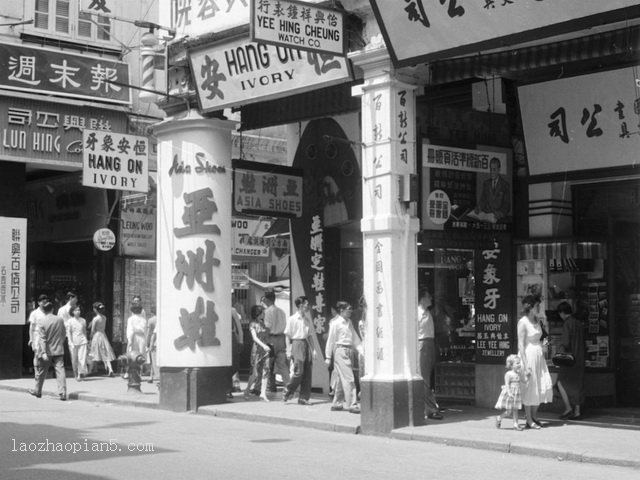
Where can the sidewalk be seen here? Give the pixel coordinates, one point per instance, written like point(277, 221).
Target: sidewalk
point(608, 437)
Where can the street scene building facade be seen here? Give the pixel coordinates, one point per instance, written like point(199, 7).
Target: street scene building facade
point(354, 151)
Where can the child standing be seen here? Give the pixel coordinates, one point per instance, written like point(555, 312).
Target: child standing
point(510, 399)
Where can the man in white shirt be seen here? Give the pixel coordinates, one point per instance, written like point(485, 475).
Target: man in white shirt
point(65, 310)
point(298, 332)
point(427, 347)
point(276, 321)
point(34, 317)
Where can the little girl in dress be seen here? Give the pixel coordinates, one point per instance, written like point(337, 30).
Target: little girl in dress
point(510, 399)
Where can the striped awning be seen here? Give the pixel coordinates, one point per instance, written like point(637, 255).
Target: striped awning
point(616, 42)
point(559, 250)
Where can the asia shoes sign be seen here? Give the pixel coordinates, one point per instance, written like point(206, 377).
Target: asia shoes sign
point(13, 270)
point(416, 31)
point(243, 72)
point(298, 25)
point(115, 161)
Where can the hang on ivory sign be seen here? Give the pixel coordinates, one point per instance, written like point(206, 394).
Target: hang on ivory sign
point(243, 72)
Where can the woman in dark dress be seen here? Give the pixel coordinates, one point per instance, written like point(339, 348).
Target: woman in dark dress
point(260, 353)
point(571, 379)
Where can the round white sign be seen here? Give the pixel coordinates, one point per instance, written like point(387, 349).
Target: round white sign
point(104, 239)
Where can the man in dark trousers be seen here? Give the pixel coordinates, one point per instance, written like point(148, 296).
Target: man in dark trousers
point(52, 335)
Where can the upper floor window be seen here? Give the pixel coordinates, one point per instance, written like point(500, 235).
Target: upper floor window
point(71, 18)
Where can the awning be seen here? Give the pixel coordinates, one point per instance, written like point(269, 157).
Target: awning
point(616, 42)
point(559, 250)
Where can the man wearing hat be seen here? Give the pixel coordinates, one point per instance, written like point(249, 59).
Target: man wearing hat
point(34, 317)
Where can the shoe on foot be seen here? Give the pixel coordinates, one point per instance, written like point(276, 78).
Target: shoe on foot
point(63, 397)
point(337, 408)
point(34, 393)
point(435, 416)
point(566, 414)
point(263, 397)
point(354, 410)
point(533, 426)
point(286, 396)
point(517, 427)
point(302, 401)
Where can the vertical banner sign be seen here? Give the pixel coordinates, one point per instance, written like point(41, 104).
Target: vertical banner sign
point(115, 161)
point(13, 268)
point(194, 244)
point(494, 325)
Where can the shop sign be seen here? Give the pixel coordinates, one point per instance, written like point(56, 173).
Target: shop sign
point(240, 279)
point(466, 189)
point(43, 70)
point(265, 189)
point(248, 243)
point(494, 323)
point(298, 25)
point(104, 239)
point(243, 72)
point(13, 270)
point(416, 31)
point(115, 161)
point(60, 208)
point(582, 123)
point(190, 18)
point(138, 231)
point(50, 132)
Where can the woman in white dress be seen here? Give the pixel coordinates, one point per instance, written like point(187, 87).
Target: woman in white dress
point(100, 348)
point(538, 387)
point(77, 340)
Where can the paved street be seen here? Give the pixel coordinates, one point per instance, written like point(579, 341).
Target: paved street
point(149, 443)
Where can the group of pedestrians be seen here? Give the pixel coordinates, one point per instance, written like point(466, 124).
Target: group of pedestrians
point(87, 344)
point(285, 346)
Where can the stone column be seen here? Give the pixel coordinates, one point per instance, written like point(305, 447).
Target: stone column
point(392, 390)
point(194, 261)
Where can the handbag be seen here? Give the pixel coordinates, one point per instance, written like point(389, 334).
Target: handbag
point(562, 359)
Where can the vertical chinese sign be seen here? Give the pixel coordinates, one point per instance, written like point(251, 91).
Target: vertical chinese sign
point(194, 246)
point(494, 293)
point(13, 266)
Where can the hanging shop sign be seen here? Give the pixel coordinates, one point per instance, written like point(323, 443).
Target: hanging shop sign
point(298, 25)
point(115, 161)
point(582, 120)
point(13, 270)
point(104, 239)
point(466, 189)
point(265, 189)
point(243, 72)
point(248, 243)
point(193, 18)
point(494, 322)
point(138, 231)
point(43, 70)
point(50, 133)
point(416, 31)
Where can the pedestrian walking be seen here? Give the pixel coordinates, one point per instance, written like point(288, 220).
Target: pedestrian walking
point(342, 343)
point(51, 340)
point(77, 341)
point(261, 354)
point(276, 321)
point(34, 318)
point(152, 337)
point(298, 339)
point(510, 398)
point(100, 350)
point(571, 378)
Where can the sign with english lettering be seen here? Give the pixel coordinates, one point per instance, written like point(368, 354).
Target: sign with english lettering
point(115, 161)
point(138, 231)
point(265, 189)
point(298, 25)
point(243, 72)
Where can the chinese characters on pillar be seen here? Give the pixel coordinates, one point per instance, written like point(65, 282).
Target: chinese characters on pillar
point(198, 322)
point(316, 240)
point(379, 307)
point(12, 270)
point(493, 321)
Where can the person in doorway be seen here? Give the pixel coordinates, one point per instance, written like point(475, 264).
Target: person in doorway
point(77, 341)
point(341, 343)
point(298, 343)
point(100, 349)
point(495, 198)
point(151, 335)
point(571, 379)
point(34, 318)
point(51, 337)
point(538, 388)
point(276, 321)
point(427, 349)
point(261, 354)
point(137, 300)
